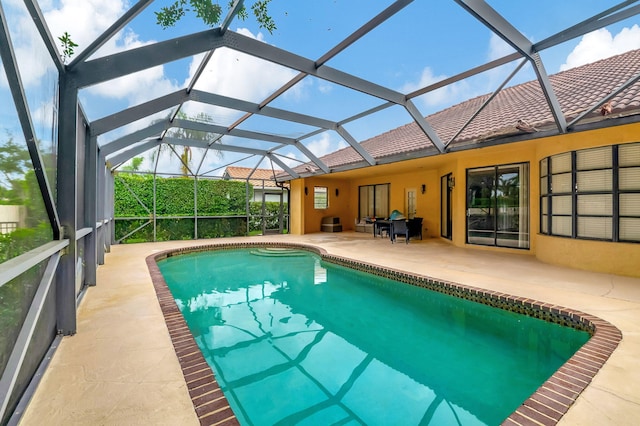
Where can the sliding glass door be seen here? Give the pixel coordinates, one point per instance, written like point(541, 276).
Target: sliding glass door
point(446, 215)
point(498, 205)
point(374, 201)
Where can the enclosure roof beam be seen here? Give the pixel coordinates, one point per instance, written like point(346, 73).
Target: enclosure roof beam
point(549, 93)
point(110, 32)
point(311, 156)
point(233, 11)
point(131, 138)
point(270, 53)
point(610, 96)
point(282, 57)
point(607, 17)
point(487, 101)
point(425, 126)
point(10, 64)
point(491, 19)
point(253, 108)
point(503, 28)
point(122, 156)
point(194, 143)
point(45, 34)
point(214, 128)
point(352, 38)
point(466, 74)
point(129, 115)
point(157, 128)
point(355, 145)
point(124, 63)
point(282, 164)
point(103, 69)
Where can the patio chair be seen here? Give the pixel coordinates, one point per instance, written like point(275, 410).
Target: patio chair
point(381, 227)
point(415, 227)
point(399, 228)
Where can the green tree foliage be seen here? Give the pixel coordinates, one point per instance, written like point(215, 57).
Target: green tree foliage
point(14, 162)
point(15, 300)
point(271, 215)
point(67, 46)
point(174, 196)
point(224, 199)
point(136, 162)
point(19, 187)
point(210, 12)
point(185, 155)
point(23, 239)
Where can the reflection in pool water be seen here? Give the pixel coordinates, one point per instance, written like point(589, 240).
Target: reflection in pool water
point(293, 340)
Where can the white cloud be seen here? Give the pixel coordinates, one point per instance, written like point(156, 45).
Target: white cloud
point(321, 146)
point(325, 145)
point(498, 48)
point(442, 97)
point(602, 44)
point(136, 88)
point(84, 20)
point(236, 74)
point(229, 73)
point(325, 88)
point(32, 58)
point(463, 90)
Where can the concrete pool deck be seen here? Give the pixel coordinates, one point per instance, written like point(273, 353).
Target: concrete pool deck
point(121, 368)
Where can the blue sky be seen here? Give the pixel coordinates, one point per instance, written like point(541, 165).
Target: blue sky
point(422, 44)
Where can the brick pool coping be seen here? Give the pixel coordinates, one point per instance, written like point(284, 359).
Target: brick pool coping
point(545, 406)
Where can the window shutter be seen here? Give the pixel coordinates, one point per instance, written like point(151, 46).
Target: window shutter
point(595, 205)
point(630, 205)
point(595, 180)
point(630, 228)
point(629, 155)
point(629, 179)
point(596, 158)
point(595, 227)
point(561, 163)
point(561, 183)
point(561, 205)
point(561, 225)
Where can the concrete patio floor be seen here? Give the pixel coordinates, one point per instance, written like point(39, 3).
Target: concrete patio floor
point(121, 369)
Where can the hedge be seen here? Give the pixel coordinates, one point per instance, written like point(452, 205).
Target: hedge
point(174, 198)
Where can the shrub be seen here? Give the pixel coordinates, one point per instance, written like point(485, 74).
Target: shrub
point(175, 198)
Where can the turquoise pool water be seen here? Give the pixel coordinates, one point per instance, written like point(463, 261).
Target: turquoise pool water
point(294, 340)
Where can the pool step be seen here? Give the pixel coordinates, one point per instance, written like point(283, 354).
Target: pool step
point(277, 252)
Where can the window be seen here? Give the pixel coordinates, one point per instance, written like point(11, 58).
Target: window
point(8, 227)
point(320, 197)
point(374, 201)
point(498, 206)
point(592, 193)
point(446, 213)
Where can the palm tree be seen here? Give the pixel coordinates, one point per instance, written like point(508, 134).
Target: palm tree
point(136, 162)
point(180, 133)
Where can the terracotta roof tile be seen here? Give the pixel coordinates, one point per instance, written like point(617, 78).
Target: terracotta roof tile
point(576, 89)
point(259, 177)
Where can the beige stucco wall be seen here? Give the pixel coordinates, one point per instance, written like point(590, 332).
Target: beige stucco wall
point(608, 257)
point(13, 213)
point(339, 204)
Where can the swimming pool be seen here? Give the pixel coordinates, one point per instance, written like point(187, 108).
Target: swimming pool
point(355, 347)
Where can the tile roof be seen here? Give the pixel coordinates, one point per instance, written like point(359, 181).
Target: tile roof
point(259, 177)
point(577, 90)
